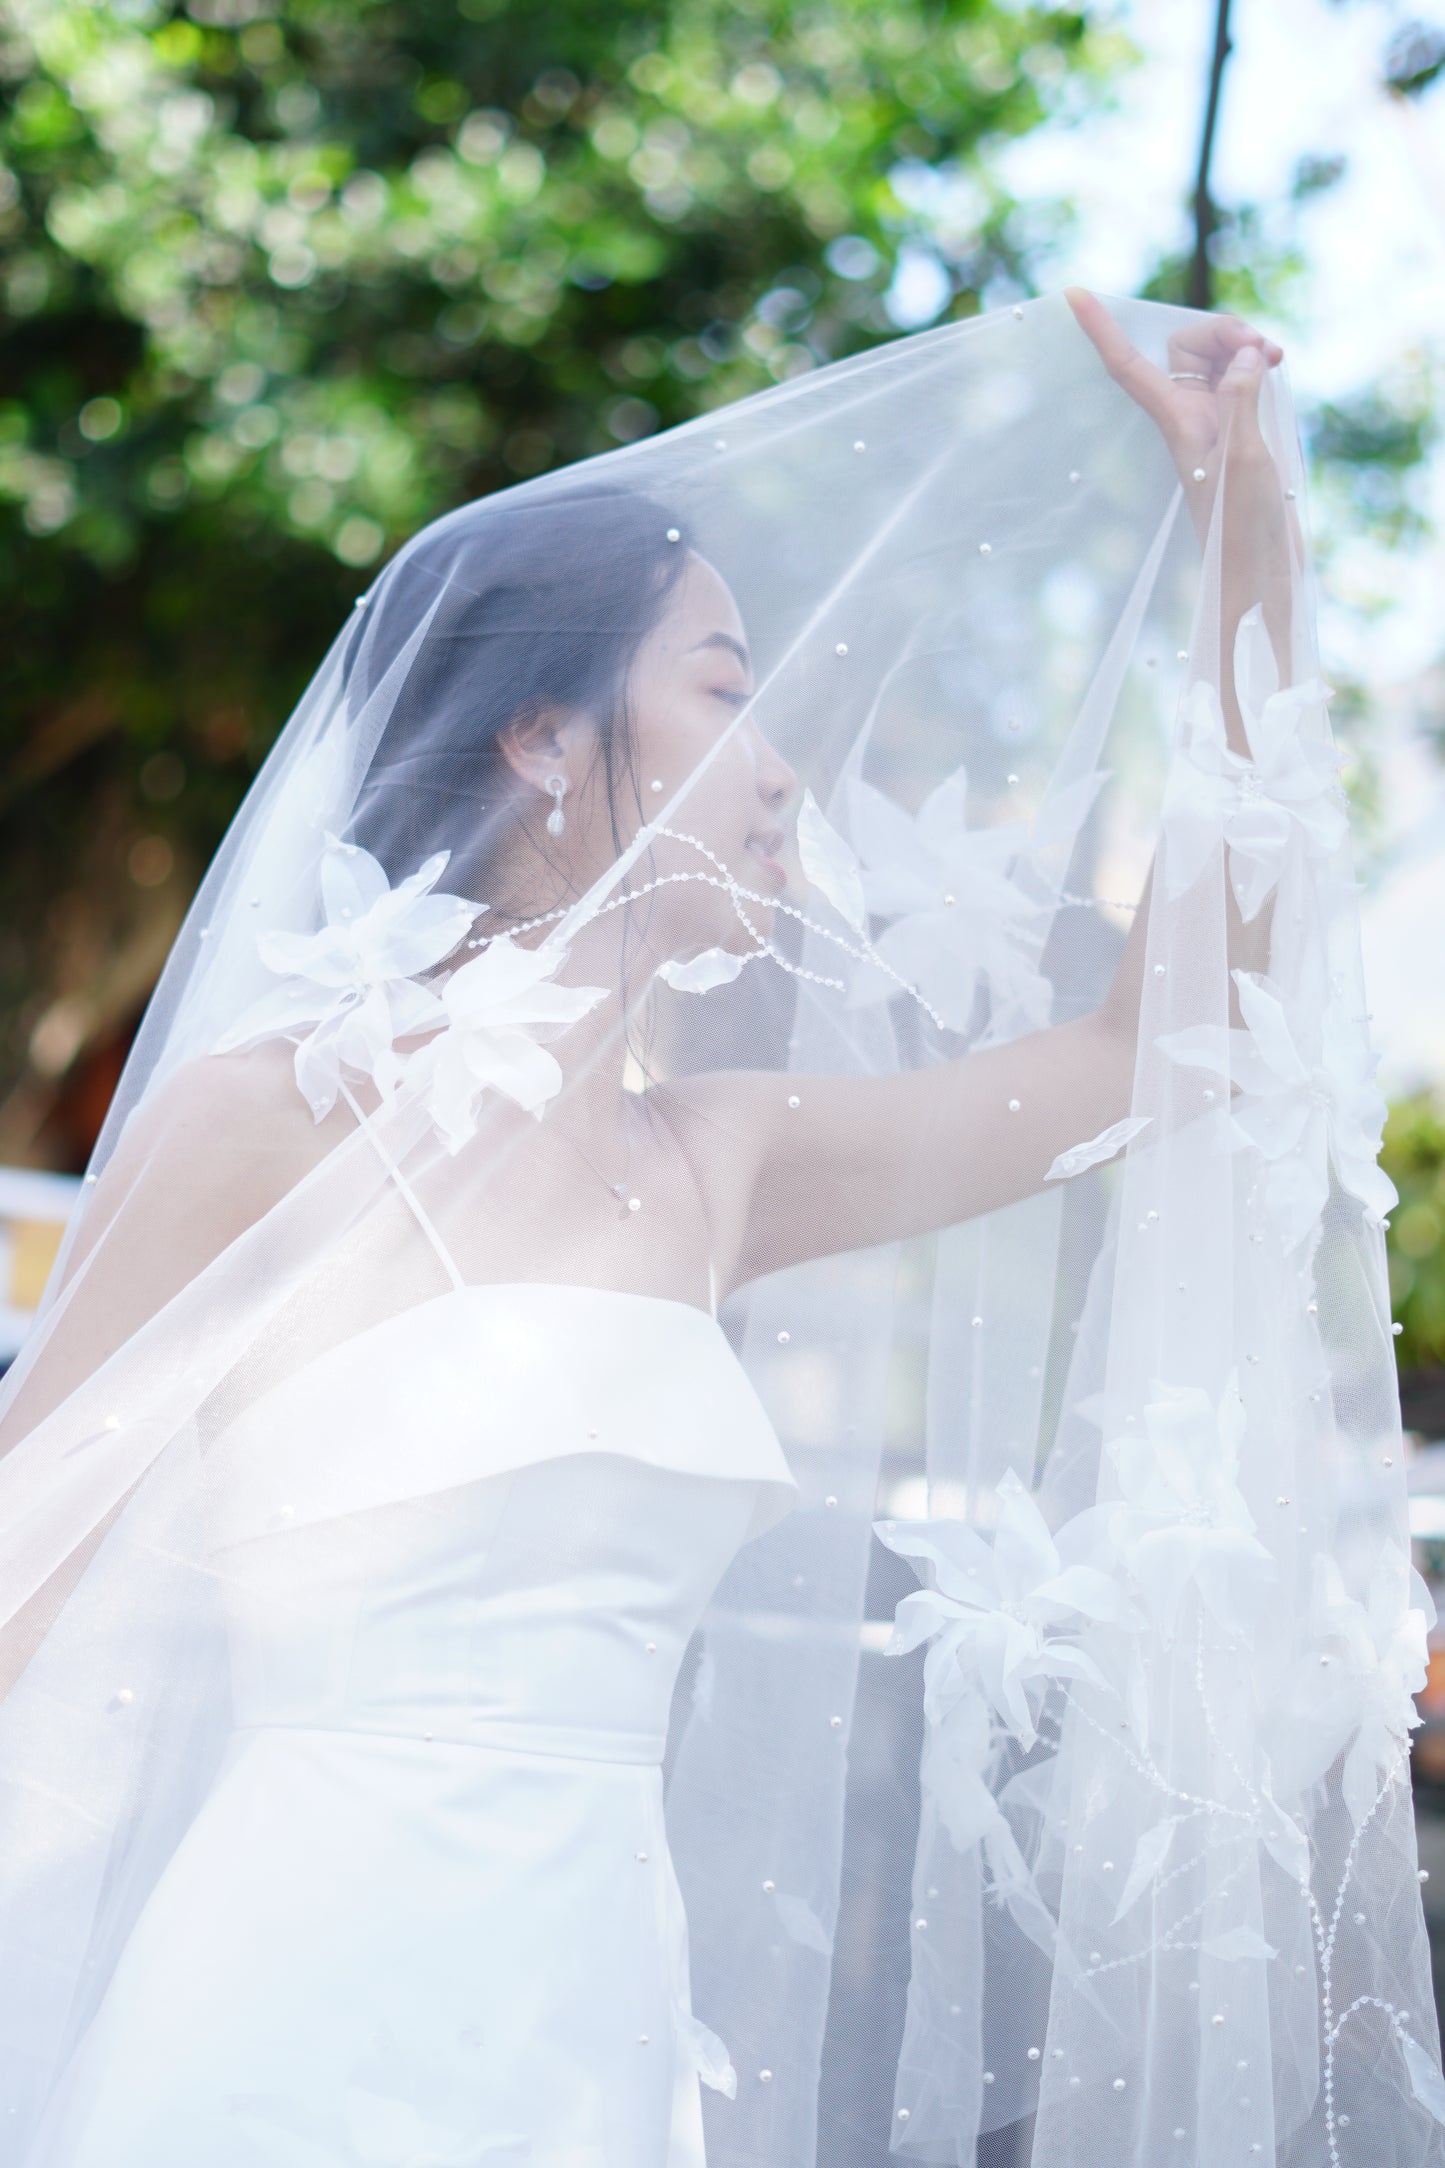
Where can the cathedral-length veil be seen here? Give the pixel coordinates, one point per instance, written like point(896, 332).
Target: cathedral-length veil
point(1038, 1781)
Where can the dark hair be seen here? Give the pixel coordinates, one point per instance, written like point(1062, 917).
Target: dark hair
point(534, 599)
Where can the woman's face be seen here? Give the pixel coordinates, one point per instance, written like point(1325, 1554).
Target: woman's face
point(689, 681)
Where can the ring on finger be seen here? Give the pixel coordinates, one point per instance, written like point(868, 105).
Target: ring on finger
point(1189, 376)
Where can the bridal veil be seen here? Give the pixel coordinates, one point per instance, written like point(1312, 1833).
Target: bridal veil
point(1038, 1785)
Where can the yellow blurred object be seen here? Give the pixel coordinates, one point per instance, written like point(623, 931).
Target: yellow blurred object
point(33, 1244)
point(35, 1206)
point(1432, 1695)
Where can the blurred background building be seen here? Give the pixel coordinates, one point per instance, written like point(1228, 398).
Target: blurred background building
point(282, 279)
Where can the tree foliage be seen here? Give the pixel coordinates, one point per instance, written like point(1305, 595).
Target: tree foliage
point(1414, 1158)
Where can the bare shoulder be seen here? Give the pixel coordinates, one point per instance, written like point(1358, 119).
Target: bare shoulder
point(227, 1123)
point(737, 1103)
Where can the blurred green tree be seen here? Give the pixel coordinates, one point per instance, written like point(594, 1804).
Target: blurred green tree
point(1414, 1158)
point(285, 278)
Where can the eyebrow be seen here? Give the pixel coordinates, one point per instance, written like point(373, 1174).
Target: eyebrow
point(724, 639)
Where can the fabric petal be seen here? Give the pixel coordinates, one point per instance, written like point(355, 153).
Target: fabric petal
point(1078, 1157)
point(499, 973)
point(829, 865)
point(1014, 1886)
point(1150, 1853)
point(1239, 1945)
point(280, 1010)
point(1264, 1015)
point(706, 2053)
point(957, 1553)
point(318, 1071)
point(802, 1925)
point(1257, 844)
point(550, 1006)
point(1089, 1592)
point(1023, 1549)
point(430, 930)
point(1198, 1046)
point(1193, 814)
point(516, 1066)
point(700, 974)
point(414, 1008)
point(882, 833)
point(351, 881)
point(917, 1617)
point(1256, 671)
point(943, 815)
point(328, 958)
point(1426, 2082)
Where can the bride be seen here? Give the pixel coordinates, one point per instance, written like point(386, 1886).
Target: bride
point(441, 1727)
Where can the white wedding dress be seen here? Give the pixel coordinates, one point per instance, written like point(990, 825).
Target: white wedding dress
point(426, 1916)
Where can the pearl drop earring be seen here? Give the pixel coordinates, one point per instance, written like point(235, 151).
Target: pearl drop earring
point(556, 819)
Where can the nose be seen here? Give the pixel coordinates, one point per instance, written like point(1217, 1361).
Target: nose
point(777, 782)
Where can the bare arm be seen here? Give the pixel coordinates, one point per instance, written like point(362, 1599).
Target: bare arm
point(207, 1157)
point(194, 1169)
point(866, 1160)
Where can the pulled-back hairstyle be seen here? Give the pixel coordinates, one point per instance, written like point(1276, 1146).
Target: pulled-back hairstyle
point(515, 605)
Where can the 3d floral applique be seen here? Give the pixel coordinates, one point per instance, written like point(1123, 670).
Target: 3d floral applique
point(1353, 1689)
point(1182, 1521)
point(701, 973)
point(956, 916)
point(1079, 1157)
point(1305, 1117)
point(830, 865)
point(496, 1009)
point(352, 984)
point(958, 897)
point(1001, 1616)
point(958, 1749)
point(1287, 786)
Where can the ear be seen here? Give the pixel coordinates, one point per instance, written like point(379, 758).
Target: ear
point(539, 745)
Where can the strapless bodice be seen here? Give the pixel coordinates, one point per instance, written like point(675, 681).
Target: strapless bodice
point(495, 1519)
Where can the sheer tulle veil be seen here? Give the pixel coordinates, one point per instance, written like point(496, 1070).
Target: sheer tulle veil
point(1038, 1784)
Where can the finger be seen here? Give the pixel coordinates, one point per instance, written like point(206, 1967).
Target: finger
point(1239, 391)
point(1247, 335)
point(1214, 340)
point(1144, 382)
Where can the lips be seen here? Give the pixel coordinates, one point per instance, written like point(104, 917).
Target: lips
point(761, 849)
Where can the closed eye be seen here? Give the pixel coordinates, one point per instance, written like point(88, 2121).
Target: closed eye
point(736, 700)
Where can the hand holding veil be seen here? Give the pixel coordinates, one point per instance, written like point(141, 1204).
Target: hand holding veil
point(722, 872)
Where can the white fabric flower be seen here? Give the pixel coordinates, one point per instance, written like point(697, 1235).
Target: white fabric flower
point(1183, 1521)
point(495, 1008)
point(1304, 1117)
point(957, 1751)
point(998, 1615)
point(1287, 786)
point(701, 973)
point(353, 980)
point(957, 916)
point(829, 865)
point(960, 916)
point(1354, 1688)
point(1079, 1157)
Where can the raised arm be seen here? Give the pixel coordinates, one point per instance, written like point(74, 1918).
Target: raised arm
point(865, 1160)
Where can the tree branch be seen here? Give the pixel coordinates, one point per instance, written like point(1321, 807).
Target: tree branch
point(1201, 282)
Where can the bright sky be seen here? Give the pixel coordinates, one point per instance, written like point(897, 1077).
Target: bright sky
point(1303, 82)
